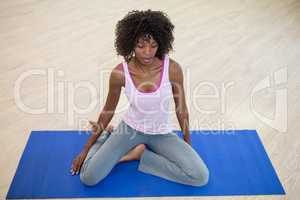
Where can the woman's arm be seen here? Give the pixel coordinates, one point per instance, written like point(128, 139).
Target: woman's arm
point(115, 86)
point(176, 79)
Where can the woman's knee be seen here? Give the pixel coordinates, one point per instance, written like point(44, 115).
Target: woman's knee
point(88, 178)
point(199, 175)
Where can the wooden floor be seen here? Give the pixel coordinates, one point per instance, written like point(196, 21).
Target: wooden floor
point(243, 57)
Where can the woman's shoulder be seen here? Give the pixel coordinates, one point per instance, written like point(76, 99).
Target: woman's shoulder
point(174, 69)
point(117, 74)
point(173, 64)
point(119, 68)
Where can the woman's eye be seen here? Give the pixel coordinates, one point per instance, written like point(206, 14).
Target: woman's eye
point(142, 46)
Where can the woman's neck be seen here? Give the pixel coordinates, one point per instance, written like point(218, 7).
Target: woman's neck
point(145, 68)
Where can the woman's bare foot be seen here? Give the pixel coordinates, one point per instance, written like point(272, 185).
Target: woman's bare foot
point(134, 154)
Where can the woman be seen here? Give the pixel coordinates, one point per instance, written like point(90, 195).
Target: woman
point(151, 80)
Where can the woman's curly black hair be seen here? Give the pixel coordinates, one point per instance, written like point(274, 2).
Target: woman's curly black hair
point(138, 24)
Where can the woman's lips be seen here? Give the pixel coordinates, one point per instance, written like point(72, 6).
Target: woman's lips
point(147, 60)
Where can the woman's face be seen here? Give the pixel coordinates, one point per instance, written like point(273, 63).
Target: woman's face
point(145, 50)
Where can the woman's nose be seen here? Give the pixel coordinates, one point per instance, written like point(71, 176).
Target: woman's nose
point(147, 50)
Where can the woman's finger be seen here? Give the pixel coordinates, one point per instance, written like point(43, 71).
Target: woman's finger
point(74, 171)
point(109, 128)
point(93, 123)
point(72, 166)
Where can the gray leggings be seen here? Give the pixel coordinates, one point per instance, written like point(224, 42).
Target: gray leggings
point(165, 155)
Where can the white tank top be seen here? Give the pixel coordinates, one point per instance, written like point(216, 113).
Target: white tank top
point(149, 112)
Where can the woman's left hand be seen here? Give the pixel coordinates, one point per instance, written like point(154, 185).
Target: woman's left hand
point(187, 139)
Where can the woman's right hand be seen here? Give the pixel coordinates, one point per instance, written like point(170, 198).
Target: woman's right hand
point(77, 163)
point(95, 127)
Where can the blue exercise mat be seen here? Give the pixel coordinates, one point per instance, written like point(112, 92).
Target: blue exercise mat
point(237, 162)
